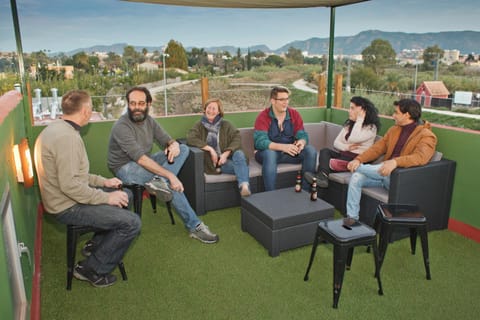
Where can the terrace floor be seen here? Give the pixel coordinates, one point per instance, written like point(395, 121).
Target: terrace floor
point(171, 276)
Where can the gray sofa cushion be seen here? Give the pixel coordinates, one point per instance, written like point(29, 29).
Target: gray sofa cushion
point(320, 135)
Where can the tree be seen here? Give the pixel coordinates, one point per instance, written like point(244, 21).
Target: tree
point(275, 60)
point(112, 60)
point(378, 55)
point(93, 63)
point(364, 78)
point(177, 55)
point(39, 57)
point(313, 60)
point(80, 61)
point(249, 60)
point(431, 56)
point(130, 57)
point(456, 68)
point(197, 57)
point(258, 54)
point(239, 62)
point(295, 56)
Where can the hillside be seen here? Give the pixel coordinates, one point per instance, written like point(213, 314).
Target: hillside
point(465, 41)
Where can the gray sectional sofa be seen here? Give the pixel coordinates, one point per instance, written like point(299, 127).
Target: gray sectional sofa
point(428, 186)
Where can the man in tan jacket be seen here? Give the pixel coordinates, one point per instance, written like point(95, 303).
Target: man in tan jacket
point(410, 142)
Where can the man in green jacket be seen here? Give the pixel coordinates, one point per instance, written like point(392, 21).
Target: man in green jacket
point(410, 142)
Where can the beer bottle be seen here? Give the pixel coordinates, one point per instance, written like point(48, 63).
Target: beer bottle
point(313, 191)
point(298, 182)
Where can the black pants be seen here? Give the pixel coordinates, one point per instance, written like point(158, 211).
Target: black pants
point(324, 159)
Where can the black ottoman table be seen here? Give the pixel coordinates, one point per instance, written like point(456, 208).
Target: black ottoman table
point(283, 219)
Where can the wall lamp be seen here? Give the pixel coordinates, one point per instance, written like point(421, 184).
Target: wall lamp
point(23, 163)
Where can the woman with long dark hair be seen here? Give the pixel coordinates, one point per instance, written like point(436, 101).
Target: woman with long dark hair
point(357, 135)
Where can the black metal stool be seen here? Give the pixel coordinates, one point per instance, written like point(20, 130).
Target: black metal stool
point(137, 191)
point(344, 234)
point(73, 232)
point(391, 216)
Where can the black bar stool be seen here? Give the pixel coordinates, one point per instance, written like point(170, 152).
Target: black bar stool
point(73, 232)
point(344, 234)
point(391, 216)
point(137, 191)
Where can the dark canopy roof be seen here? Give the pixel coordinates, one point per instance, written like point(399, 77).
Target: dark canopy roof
point(254, 3)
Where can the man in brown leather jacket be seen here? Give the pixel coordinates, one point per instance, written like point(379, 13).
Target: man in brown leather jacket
point(410, 142)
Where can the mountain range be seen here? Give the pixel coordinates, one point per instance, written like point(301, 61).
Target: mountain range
point(464, 41)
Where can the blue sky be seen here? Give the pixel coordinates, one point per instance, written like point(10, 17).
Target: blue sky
point(63, 25)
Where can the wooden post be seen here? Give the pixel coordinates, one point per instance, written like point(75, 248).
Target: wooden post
point(338, 91)
point(204, 90)
point(321, 90)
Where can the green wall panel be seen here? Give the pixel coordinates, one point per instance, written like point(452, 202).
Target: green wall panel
point(464, 148)
point(24, 207)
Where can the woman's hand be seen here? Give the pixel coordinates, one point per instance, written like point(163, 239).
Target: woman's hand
point(223, 158)
point(353, 147)
point(361, 113)
point(214, 157)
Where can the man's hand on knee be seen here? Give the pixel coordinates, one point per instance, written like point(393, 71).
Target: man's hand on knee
point(118, 199)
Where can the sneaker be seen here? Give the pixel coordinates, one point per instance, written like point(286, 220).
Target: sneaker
point(95, 279)
point(245, 190)
point(322, 178)
point(203, 234)
point(159, 188)
point(88, 248)
point(338, 165)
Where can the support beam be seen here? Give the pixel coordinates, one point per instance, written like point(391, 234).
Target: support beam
point(330, 57)
point(321, 90)
point(337, 99)
point(204, 90)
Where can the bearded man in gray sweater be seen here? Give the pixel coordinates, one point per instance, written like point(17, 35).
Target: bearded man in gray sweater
point(130, 157)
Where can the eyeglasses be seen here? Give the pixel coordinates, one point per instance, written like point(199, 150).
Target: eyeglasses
point(282, 99)
point(139, 103)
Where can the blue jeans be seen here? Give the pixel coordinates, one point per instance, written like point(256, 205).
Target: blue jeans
point(366, 175)
point(237, 166)
point(270, 159)
point(121, 227)
point(132, 172)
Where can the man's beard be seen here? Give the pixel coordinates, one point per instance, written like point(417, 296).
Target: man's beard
point(137, 117)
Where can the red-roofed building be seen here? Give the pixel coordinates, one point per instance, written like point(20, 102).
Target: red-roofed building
point(429, 90)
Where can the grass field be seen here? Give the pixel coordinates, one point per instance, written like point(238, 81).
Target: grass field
point(171, 276)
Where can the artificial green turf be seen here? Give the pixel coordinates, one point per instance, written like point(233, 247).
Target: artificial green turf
point(171, 276)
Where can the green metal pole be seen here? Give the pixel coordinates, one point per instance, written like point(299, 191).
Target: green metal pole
point(21, 70)
point(330, 58)
point(18, 39)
